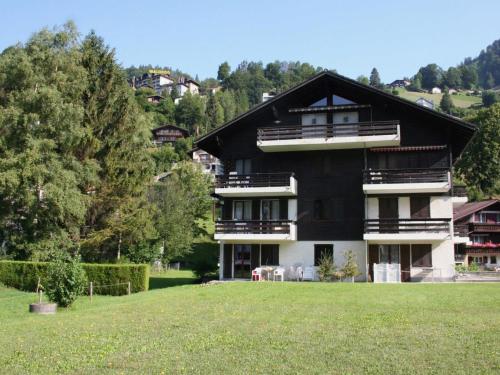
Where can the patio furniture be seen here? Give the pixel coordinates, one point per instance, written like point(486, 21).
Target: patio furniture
point(257, 274)
point(299, 273)
point(267, 272)
point(279, 272)
point(309, 273)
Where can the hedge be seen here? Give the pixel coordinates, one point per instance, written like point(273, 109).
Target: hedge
point(24, 276)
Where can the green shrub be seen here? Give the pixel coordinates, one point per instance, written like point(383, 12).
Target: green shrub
point(326, 267)
point(66, 280)
point(24, 276)
point(350, 268)
point(204, 267)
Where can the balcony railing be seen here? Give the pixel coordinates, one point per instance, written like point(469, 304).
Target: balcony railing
point(405, 176)
point(360, 129)
point(484, 227)
point(253, 180)
point(407, 225)
point(461, 230)
point(459, 191)
point(253, 226)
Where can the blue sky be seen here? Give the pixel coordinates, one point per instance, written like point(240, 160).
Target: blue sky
point(351, 36)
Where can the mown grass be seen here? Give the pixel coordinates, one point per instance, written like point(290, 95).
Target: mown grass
point(170, 278)
point(260, 328)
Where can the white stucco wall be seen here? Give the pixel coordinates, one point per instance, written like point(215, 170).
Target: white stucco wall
point(302, 252)
point(441, 207)
point(404, 208)
point(443, 261)
point(372, 208)
point(292, 209)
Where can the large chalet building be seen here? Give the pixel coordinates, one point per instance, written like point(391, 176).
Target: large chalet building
point(332, 165)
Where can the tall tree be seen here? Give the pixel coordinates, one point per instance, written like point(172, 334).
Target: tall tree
point(480, 163)
point(446, 103)
point(190, 112)
point(214, 112)
point(223, 72)
point(431, 75)
point(375, 78)
point(116, 137)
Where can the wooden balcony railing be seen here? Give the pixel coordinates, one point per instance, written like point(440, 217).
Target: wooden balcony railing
point(360, 129)
point(484, 227)
point(405, 176)
point(253, 180)
point(459, 191)
point(253, 226)
point(407, 225)
point(461, 230)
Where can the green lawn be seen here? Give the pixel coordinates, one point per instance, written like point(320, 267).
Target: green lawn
point(261, 328)
point(167, 279)
point(460, 100)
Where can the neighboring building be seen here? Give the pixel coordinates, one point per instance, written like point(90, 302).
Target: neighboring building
point(333, 165)
point(168, 134)
point(209, 163)
point(436, 90)
point(164, 83)
point(477, 233)
point(214, 90)
point(399, 83)
point(268, 95)
point(154, 99)
point(425, 103)
point(452, 91)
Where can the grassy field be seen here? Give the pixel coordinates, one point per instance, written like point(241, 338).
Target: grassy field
point(460, 100)
point(261, 328)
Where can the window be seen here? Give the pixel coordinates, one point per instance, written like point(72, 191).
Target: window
point(269, 255)
point(479, 238)
point(242, 210)
point(388, 254)
point(493, 259)
point(421, 255)
point(320, 251)
point(243, 166)
point(270, 209)
point(420, 207)
point(314, 119)
point(338, 100)
point(345, 117)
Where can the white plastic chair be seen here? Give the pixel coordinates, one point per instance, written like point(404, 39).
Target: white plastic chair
point(279, 272)
point(299, 273)
point(257, 274)
point(309, 273)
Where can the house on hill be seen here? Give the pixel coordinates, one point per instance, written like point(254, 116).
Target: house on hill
point(154, 99)
point(331, 166)
point(425, 103)
point(399, 83)
point(477, 233)
point(168, 134)
point(435, 90)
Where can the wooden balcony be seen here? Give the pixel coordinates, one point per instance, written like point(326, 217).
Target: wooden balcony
point(484, 227)
point(328, 136)
point(255, 230)
point(392, 181)
point(256, 185)
point(460, 233)
point(401, 230)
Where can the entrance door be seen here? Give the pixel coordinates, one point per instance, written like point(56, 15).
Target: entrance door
point(227, 271)
point(383, 254)
point(242, 261)
point(405, 262)
point(388, 214)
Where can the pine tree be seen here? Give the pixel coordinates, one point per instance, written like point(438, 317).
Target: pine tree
point(446, 103)
point(214, 112)
point(117, 137)
point(375, 79)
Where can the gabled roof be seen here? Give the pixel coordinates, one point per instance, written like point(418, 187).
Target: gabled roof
point(468, 209)
point(166, 126)
point(339, 78)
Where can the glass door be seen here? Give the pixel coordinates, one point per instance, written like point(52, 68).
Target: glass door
point(242, 261)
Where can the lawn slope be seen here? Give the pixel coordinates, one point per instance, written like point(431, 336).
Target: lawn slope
point(261, 328)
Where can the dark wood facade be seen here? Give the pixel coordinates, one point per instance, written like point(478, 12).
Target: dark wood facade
point(335, 177)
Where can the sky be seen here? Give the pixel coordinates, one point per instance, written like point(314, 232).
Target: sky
point(396, 37)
